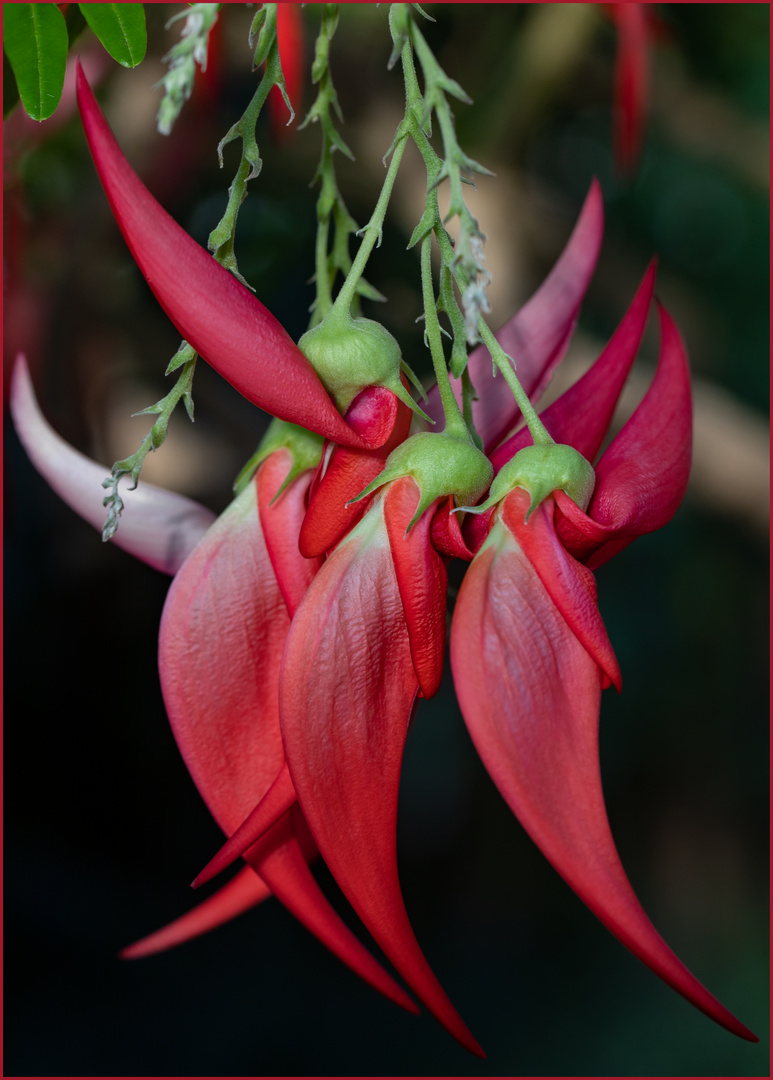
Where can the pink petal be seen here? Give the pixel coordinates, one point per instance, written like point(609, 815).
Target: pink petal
point(642, 476)
point(582, 415)
point(242, 892)
point(538, 336)
point(221, 318)
point(157, 526)
point(422, 581)
point(347, 691)
point(530, 695)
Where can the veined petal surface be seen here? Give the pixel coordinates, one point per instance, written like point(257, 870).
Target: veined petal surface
point(530, 694)
point(347, 691)
point(222, 635)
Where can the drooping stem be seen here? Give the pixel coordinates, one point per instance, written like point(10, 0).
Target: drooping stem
point(371, 234)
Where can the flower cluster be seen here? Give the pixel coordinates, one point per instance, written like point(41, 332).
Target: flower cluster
point(303, 625)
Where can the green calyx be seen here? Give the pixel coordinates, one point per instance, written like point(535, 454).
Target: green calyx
point(541, 470)
point(305, 450)
point(349, 354)
point(441, 465)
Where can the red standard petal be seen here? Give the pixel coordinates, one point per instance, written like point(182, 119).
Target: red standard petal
point(346, 695)
point(422, 580)
point(642, 476)
point(221, 318)
point(157, 526)
point(530, 696)
point(582, 415)
point(538, 336)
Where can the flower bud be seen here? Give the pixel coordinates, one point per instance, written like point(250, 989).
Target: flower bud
point(441, 465)
point(541, 470)
point(349, 354)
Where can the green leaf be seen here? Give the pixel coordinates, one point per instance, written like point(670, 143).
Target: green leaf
point(120, 28)
point(35, 42)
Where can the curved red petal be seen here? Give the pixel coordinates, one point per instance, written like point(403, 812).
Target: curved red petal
point(446, 533)
point(279, 860)
point(422, 580)
point(582, 415)
point(642, 476)
point(538, 336)
point(347, 691)
point(280, 520)
point(570, 585)
point(530, 693)
point(242, 892)
point(347, 471)
point(276, 802)
point(157, 526)
point(220, 318)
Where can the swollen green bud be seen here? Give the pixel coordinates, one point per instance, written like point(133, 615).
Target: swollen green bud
point(441, 465)
point(349, 354)
point(541, 470)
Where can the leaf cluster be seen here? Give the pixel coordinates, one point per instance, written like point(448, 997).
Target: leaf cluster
point(38, 37)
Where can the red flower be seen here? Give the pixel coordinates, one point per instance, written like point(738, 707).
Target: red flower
point(290, 681)
point(529, 651)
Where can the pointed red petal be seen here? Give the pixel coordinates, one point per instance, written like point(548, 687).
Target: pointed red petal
point(276, 802)
point(281, 522)
point(422, 580)
point(570, 585)
point(582, 415)
point(537, 337)
point(347, 471)
point(278, 858)
point(530, 695)
point(346, 694)
point(221, 318)
point(642, 477)
point(157, 526)
point(242, 892)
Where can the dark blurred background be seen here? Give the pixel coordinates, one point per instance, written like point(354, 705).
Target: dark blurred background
point(104, 829)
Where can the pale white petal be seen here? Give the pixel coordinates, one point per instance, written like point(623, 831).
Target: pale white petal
point(157, 526)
